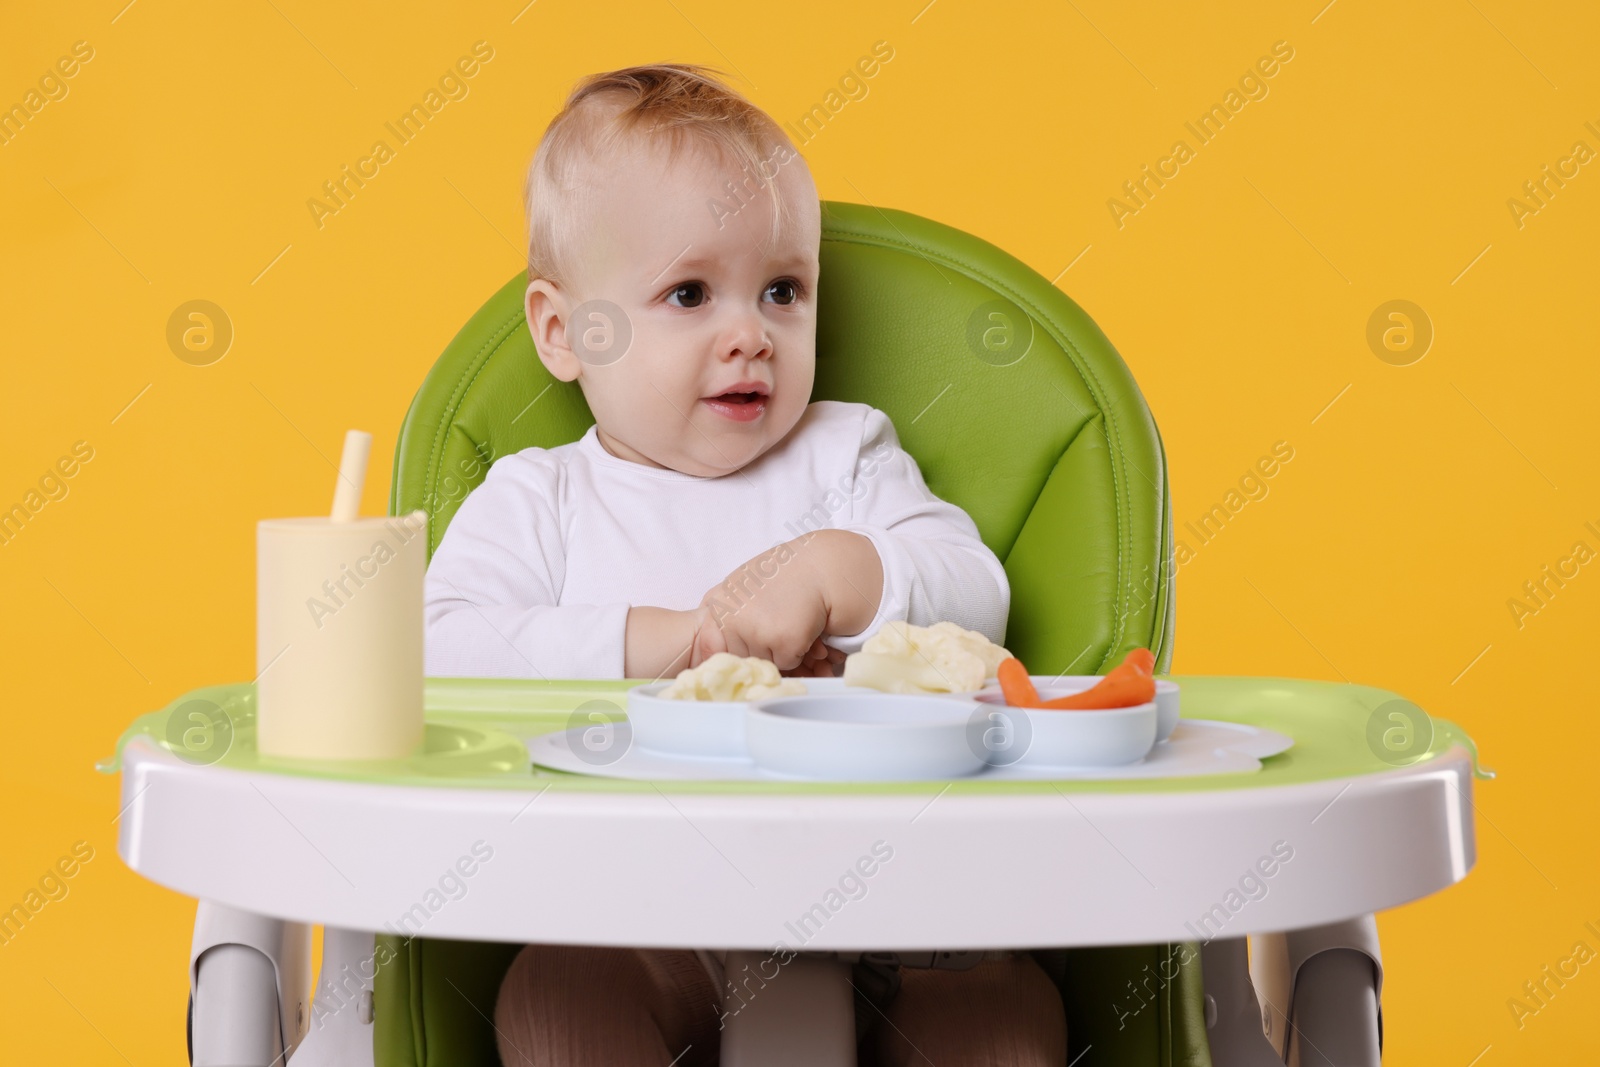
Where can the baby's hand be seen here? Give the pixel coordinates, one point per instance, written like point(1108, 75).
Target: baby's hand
point(774, 606)
point(820, 662)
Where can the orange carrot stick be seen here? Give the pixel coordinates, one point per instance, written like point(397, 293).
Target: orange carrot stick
point(1124, 686)
point(1015, 684)
point(1119, 689)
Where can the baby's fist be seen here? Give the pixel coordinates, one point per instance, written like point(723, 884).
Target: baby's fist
point(771, 607)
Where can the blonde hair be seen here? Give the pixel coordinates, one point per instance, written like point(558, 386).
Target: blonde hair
point(680, 104)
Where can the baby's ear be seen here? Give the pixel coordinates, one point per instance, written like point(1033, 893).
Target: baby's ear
point(547, 311)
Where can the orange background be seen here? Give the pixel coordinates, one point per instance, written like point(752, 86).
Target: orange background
point(1378, 167)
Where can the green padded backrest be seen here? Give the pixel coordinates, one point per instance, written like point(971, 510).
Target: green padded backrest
point(1013, 402)
point(1016, 407)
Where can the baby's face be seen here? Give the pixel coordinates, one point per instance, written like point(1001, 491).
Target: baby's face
point(723, 350)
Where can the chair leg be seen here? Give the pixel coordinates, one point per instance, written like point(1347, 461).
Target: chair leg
point(1233, 1014)
point(1273, 981)
point(248, 975)
point(1335, 1014)
point(341, 1028)
point(1322, 990)
point(794, 1013)
point(234, 1011)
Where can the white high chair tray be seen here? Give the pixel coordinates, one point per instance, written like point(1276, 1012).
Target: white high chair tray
point(976, 863)
point(1197, 747)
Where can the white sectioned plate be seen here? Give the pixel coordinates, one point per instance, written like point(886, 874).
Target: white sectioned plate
point(1060, 685)
point(1197, 747)
point(1111, 737)
point(702, 729)
point(864, 736)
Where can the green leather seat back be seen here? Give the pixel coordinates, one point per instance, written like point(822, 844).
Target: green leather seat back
point(1012, 401)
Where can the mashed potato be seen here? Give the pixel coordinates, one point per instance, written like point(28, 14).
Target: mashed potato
point(942, 658)
point(725, 676)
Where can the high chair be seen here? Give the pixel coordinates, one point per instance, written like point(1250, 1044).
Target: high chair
point(1017, 409)
point(1014, 404)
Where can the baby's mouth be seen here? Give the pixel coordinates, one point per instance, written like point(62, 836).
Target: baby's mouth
point(738, 406)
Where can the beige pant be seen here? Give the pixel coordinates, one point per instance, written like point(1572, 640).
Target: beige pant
point(565, 1006)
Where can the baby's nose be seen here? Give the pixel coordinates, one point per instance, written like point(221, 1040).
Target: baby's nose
point(748, 340)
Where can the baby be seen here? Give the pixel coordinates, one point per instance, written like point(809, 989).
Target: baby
point(673, 258)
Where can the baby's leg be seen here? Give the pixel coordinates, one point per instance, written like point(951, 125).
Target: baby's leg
point(575, 1006)
point(1001, 1013)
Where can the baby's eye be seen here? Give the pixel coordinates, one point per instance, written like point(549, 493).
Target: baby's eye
point(784, 291)
point(691, 294)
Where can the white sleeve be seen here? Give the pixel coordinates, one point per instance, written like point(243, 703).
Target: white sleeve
point(490, 597)
point(935, 566)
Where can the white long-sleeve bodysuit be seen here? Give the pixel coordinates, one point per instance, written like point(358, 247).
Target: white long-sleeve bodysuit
point(535, 575)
